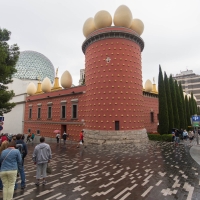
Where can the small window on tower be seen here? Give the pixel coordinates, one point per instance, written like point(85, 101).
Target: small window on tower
point(152, 116)
point(116, 125)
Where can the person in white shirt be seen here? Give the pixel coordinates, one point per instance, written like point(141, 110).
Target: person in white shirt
point(58, 137)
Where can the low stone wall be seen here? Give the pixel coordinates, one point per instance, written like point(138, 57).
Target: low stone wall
point(115, 137)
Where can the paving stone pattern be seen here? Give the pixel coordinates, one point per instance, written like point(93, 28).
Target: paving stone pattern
point(152, 171)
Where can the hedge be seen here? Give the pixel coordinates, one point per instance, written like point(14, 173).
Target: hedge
point(164, 137)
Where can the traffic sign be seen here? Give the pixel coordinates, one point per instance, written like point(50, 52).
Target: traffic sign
point(1, 123)
point(1, 128)
point(1, 118)
point(196, 118)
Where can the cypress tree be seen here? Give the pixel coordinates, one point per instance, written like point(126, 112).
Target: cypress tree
point(190, 106)
point(169, 103)
point(174, 102)
point(163, 111)
point(193, 104)
point(183, 105)
point(180, 106)
point(187, 111)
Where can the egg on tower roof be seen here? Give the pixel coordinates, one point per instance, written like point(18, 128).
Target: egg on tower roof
point(123, 16)
point(88, 26)
point(138, 26)
point(46, 85)
point(31, 89)
point(102, 19)
point(66, 80)
point(148, 86)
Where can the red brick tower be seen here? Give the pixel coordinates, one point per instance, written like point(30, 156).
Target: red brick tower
point(114, 101)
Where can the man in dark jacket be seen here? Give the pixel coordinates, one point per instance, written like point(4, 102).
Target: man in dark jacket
point(21, 146)
point(65, 135)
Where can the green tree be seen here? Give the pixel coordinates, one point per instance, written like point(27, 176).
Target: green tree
point(194, 108)
point(187, 111)
point(163, 111)
point(184, 106)
point(190, 107)
point(179, 106)
point(169, 103)
point(8, 58)
point(174, 102)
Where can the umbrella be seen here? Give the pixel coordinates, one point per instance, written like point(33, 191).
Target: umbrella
point(56, 131)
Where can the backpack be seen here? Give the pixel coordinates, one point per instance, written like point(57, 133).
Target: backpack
point(20, 148)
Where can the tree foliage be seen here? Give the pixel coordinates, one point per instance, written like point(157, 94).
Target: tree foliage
point(187, 111)
point(8, 58)
point(184, 106)
point(179, 106)
point(169, 103)
point(163, 110)
point(174, 102)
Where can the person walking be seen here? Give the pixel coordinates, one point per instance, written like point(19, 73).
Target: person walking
point(28, 138)
point(11, 161)
point(4, 146)
point(81, 141)
point(21, 146)
point(65, 135)
point(32, 137)
point(58, 137)
point(41, 157)
point(177, 137)
point(191, 136)
point(4, 137)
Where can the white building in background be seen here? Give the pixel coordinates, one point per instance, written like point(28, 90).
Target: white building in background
point(13, 121)
point(190, 83)
point(82, 76)
point(31, 66)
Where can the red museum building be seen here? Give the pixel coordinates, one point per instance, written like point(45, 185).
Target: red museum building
point(112, 106)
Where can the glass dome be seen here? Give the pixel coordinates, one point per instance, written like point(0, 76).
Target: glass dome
point(34, 65)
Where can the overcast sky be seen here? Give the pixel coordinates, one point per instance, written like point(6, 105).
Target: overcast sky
point(54, 28)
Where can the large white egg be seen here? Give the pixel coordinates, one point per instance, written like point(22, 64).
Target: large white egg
point(138, 26)
point(148, 86)
point(46, 85)
point(66, 80)
point(31, 89)
point(102, 19)
point(88, 26)
point(123, 16)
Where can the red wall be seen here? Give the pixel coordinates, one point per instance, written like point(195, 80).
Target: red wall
point(150, 105)
point(47, 126)
point(114, 90)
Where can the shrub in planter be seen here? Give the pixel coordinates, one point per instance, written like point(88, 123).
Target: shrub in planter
point(164, 137)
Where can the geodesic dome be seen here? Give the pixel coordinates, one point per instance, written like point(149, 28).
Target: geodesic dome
point(34, 65)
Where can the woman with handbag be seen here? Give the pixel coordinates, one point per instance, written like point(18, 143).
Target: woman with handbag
point(4, 146)
point(11, 161)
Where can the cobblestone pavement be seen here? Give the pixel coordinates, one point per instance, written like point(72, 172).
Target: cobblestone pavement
point(153, 171)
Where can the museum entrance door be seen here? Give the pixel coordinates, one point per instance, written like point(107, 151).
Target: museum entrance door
point(63, 129)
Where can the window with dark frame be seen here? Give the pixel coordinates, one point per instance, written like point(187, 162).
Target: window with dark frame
point(30, 113)
point(38, 132)
point(152, 116)
point(74, 111)
point(116, 125)
point(49, 112)
point(63, 111)
point(39, 113)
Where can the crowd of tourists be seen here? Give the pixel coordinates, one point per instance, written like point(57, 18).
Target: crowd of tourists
point(13, 150)
point(182, 134)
